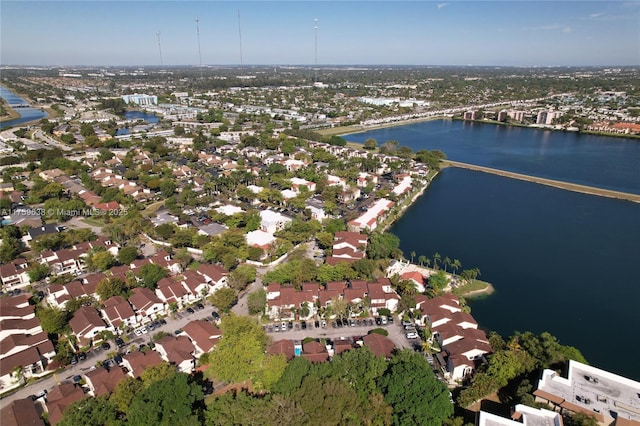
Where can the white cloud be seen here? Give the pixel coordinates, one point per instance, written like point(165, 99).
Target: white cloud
point(566, 30)
point(595, 15)
point(442, 5)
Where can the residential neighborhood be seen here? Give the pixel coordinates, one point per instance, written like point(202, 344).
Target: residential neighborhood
point(227, 235)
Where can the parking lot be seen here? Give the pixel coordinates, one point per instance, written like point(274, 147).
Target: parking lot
point(295, 331)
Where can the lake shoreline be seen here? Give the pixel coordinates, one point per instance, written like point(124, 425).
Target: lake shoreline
point(347, 130)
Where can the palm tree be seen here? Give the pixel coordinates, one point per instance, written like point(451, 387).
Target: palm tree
point(456, 265)
point(436, 259)
point(412, 254)
point(422, 259)
point(447, 261)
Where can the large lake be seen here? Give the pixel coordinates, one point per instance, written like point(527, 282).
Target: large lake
point(560, 261)
point(26, 114)
point(605, 162)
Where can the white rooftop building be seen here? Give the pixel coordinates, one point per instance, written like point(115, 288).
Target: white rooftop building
point(523, 415)
point(590, 390)
point(139, 99)
point(229, 210)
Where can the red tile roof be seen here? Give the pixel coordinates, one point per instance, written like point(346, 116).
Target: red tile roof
point(282, 347)
point(379, 345)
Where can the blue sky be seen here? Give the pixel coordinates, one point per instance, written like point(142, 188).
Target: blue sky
point(520, 33)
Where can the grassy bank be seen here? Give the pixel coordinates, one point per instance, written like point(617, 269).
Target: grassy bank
point(474, 288)
point(12, 114)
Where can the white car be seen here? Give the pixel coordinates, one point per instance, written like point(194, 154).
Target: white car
point(384, 320)
point(412, 335)
point(144, 330)
point(137, 332)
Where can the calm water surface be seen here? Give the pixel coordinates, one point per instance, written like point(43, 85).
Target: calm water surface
point(560, 261)
point(605, 162)
point(26, 114)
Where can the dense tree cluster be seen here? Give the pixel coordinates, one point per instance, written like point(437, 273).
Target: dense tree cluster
point(161, 396)
point(515, 364)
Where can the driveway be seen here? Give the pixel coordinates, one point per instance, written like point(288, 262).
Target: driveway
point(77, 222)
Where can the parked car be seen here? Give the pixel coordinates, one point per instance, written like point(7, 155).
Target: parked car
point(276, 328)
point(178, 331)
point(384, 320)
point(324, 324)
point(40, 394)
point(215, 315)
point(303, 324)
point(283, 326)
point(144, 330)
point(412, 335)
point(316, 324)
point(137, 332)
point(378, 321)
point(74, 359)
point(200, 306)
point(163, 321)
point(352, 323)
point(119, 342)
point(106, 346)
point(190, 310)
point(82, 356)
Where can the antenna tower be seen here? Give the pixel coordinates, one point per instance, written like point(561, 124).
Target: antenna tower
point(240, 35)
point(199, 51)
point(160, 49)
point(315, 54)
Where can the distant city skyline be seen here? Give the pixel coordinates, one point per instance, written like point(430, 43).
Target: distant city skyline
point(482, 33)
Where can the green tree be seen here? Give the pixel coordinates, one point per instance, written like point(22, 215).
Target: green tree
point(91, 411)
point(170, 401)
point(240, 277)
point(241, 355)
point(109, 287)
point(167, 188)
point(102, 260)
point(438, 281)
point(436, 259)
point(224, 298)
point(383, 246)
point(53, 320)
point(239, 408)
point(9, 249)
point(257, 301)
point(150, 274)
point(38, 272)
point(125, 392)
point(361, 368)
point(126, 255)
point(414, 392)
point(370, 144)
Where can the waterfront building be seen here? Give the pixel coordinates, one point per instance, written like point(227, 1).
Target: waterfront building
point(592, 391)
point(140, 99)
point(547, 117)
point(516, 115)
